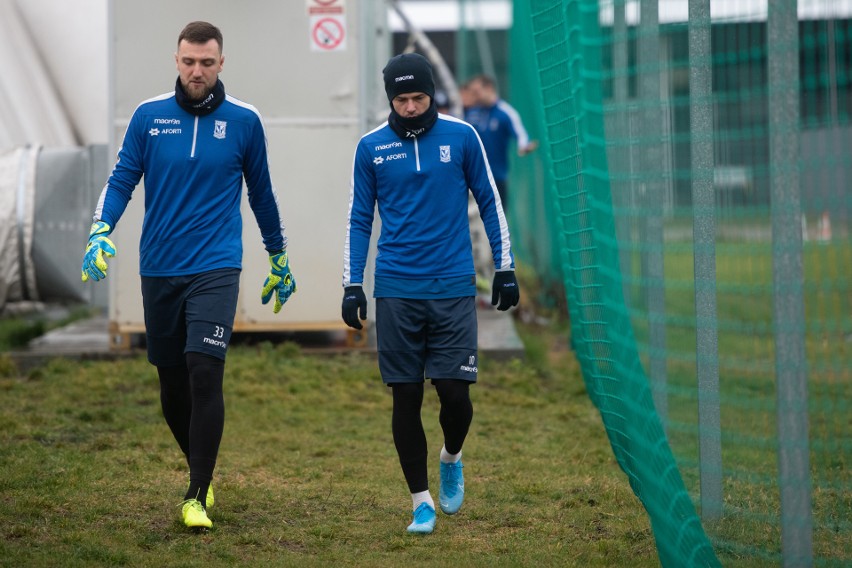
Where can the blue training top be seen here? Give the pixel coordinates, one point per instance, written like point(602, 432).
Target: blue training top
point(496, 125)
point(194, 168)
point(421, 187)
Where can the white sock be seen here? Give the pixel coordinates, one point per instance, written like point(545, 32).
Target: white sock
point(422, 497)
point(447, 457)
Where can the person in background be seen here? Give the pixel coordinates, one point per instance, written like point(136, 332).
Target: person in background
point(442, 102)
point(467, 96)
point(417, 167)
point(497, 123)
point(194, 146)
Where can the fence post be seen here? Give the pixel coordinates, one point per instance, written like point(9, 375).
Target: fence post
point(704, 245)
point(787, 278)
point(652, 200)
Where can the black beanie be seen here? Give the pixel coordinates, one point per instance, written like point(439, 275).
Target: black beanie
point(408, 73)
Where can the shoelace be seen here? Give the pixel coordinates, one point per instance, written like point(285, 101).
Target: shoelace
point(451, 472)
point(420, 513)
point(194, 503)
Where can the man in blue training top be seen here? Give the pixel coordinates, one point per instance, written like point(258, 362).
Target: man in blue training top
point(418, 167)
point(194, 146)
point(497, 123)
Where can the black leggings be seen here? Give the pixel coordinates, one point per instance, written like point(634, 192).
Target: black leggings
point(408, 435)
point(194, 409)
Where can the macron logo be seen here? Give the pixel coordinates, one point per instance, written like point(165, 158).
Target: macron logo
point(405, 78)
point(215, 342)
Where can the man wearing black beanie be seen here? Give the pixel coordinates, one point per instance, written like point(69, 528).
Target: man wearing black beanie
point(408, 73)
point(419, 167)
point(405, 76)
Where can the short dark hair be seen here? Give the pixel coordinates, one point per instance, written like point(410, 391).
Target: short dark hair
point(200, 32)
point(486, 80)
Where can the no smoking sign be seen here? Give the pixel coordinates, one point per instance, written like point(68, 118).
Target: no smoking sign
point(327, 25)
point(328, 33)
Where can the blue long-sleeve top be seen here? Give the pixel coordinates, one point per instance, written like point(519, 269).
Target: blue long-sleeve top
point(421, 186)
point(496, 126)
point(194, 168)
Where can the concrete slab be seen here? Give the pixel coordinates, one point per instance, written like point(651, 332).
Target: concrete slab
point(497, 335)
point(83, 339)
point(87, 336)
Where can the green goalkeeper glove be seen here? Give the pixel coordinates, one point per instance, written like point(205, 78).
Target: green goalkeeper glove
point(99, 246)
point(280, 281)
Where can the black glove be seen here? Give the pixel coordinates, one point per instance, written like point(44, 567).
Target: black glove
point(354, 303)
point(505, 289)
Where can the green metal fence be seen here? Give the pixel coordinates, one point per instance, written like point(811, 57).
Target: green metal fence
point(693, 194)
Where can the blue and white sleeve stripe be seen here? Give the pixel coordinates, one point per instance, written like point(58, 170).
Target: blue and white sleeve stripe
point(494, 220)
point(517, 123)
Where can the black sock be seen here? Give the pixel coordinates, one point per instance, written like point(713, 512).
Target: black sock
point(198, 490)
point(408, 435)
point(206, 375)
point(456, 412)
point(176, 401)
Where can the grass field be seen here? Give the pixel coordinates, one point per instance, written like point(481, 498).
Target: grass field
point(89, 474)
point(307, 476)
point(747, 380)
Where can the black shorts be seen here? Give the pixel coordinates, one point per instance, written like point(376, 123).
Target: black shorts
point(189, 313)
point(419, 339)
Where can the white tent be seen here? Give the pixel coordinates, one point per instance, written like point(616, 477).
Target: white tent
point(53, 85)
point(53, 110)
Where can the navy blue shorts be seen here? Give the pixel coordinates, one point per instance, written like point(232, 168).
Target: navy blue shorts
point(419, 339)
point(189, 313)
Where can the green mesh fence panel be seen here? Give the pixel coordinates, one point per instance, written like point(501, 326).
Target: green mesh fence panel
point(693, 190)
point(535, 222)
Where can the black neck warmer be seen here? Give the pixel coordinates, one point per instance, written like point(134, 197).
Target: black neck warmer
point(413, 127)
point(200, 108)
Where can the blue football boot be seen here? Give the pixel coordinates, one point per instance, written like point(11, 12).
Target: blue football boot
point(451, 494)
point(424, 519)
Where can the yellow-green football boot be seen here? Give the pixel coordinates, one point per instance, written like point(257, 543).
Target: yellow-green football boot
point(194, 515)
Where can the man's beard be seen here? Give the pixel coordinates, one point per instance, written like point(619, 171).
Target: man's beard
point(195, 93)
